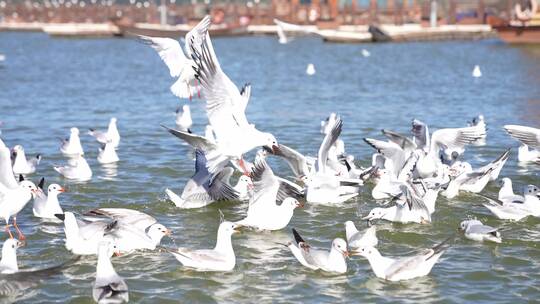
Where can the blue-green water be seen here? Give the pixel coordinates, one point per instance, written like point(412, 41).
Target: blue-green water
point(49, 85)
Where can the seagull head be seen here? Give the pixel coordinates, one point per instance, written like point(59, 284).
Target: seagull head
point(341, 246)
point(374, 214)
point(364, 251)
point(16, 149)
point(270, 143)
point(157, 231)
point(292, 203)
point(228, 228)
point(108, 247)
point(55, 188)
point(505, 181)
point(29, 186)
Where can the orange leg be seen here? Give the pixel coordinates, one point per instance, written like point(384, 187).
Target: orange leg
point(243, 167)
point(19, 232)
point(9, 231)
point(189, 89)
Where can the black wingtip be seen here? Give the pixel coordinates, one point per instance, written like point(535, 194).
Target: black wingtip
point(60, 216)
point(21, 177)
point(444, 244)
point(41, 183)
point(297, 237)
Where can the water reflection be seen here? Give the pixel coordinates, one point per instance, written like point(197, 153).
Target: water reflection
point(109, 171)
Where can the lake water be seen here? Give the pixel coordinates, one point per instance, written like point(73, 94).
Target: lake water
point(49, 85)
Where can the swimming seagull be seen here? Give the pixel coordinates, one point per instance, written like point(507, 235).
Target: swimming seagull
point(108, 287)
point(111, 136)
point(133, 229)
point(203, 188)
point(47, 205)
point(476, 73)
point(221, 258)
point(263, 211)
point(404, 268)
point(310, 70)
point(20, 164)
point(8, 263)
point(506, 193)
point(315, 259)
point(365, 53)
point(357, 239)
point(225, 108)
point(515, 210)
point(13, 200)
point(183, 119)
point(408, 208)
point(180, 64)
point(528, 137)
point(76, 169)
point(476, 231)
point(83, 238)
point(107, 154)
point(72, 145)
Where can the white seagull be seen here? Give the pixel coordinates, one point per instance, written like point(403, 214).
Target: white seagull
point(221, 258)
point(476, 231)
point(13, 200)
point(108, 287)
point(131, 229)
point(180, 65)
point(357, 239)
point(20, 164)
point(529, 138)
point(47, 205)
point(506, 193)
point(77, 169)
point(8, 263)
point(263, 211)
point(202, 188)
point(225, 108)
point(476, 73)
point(310, 69)
point(183, 119)
point(111, 136)
point(404, 268)
point(107, 154)
point(72, 145)
point(281, 33)
point(315, 259)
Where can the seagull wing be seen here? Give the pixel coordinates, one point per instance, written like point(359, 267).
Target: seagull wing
point(296, 160)
point(220, 189)
point(420, 134)
point(328, 141)
point(6, 172)
point(170, 51)
point(527, 135)
point(196, 141)
point(390, 150)
point(456, 137)
point(197, 34)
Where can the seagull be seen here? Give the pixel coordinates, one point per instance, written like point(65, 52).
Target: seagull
point(515, 210)
point(356, 239)
point(225, 108)
point(109, 287)
point(221, 258)
point(479, 122)
point(450, 139)
point(183, 119)
point(8, 263)
point(83, 238)
point(408, 208)
point(315, 259)
point(203, 188)
point(13, 200)
point(506, 193)
point(111, 135)
point(77, 169)
point(47, 205)
point(107, 154)
point(404, 268)
point(181, 65)
point(20, 164)
point(281, 33)
point(529, 138)
point(386, 187)
point(209, 134)
point(310, 70)
point(72, 145)
point(476, 231)
point(243, 186)
point(365, 53)
point(263, 212)
point(132, 230)
point(326, 125)
point(324, 187)
point(476, 73)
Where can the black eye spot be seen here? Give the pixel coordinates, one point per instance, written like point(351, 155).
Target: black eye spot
point(12, 246)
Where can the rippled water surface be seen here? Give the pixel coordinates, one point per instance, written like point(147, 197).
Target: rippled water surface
point(49, 85)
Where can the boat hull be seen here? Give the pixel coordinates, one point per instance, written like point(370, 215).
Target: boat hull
point(519, 34)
